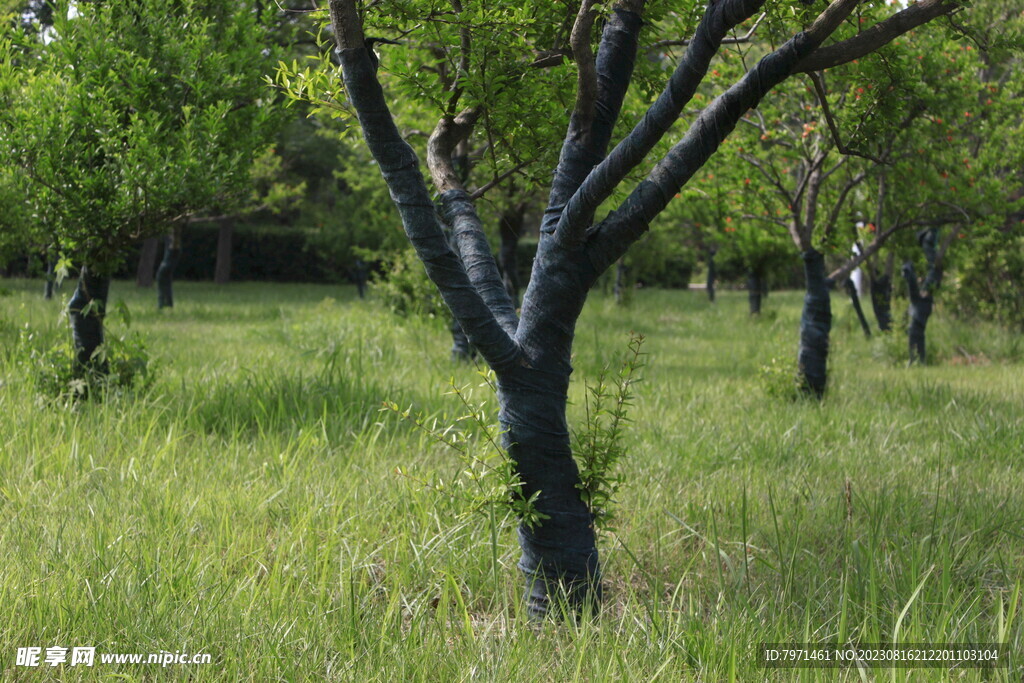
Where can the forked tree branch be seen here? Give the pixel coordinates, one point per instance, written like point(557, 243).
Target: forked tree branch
point(819, 90)
point(462, 216)
point(400, 168)
point(879, 35)
point(586, 140)
point(719, 18)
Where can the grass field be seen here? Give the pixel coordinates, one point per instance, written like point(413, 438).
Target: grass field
point(247, 504)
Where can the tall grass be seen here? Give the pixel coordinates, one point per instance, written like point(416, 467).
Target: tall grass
point(247, 504)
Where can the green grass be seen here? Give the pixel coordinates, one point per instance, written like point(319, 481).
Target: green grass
point(247, 505)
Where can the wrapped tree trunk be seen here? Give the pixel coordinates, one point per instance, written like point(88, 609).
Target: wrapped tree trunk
point(225, 244)
point(920, 311)
point(851, 290)
point(165, 274)
point(881, 301)
point(755, 291)
point(559, 555)
point(815, 326)
point(86, 311)
point(147, 262)
point(620, 281)
point(712, 275)
point(50, 280)
point(922, 297)
point(359, 275)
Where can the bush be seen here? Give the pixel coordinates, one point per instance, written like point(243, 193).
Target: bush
point(988, 283)
point(402, 284)
point(56, 373)
point(779, 379)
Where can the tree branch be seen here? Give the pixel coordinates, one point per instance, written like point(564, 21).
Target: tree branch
point(610, 240)
point(586, 71)
point(877, 36)
point(719, 18)
point(587, 140)
point(737, 40)
point(819, 90)
point(400, 168)
point(843, 272)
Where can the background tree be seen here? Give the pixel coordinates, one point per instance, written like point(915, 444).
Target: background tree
point(130, 120)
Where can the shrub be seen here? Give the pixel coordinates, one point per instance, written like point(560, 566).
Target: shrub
point(56, 373)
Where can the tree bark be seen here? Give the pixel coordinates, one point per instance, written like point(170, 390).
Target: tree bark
point(815, 326)
point(755, 290)
point(851, 290)
point(147, 262)
point(712, 276)
point(225, 239)
point(165, 274)
point(86, 311)
point(920, 311)
point(881, 301)
point(620, 281)
point(50, 281)
point(559, 555)
point(462, 349)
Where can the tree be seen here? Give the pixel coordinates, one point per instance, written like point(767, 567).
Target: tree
point(131, 118)
point(530, 353)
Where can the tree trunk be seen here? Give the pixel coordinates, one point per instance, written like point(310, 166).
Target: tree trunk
point(51, 279)
point(359, 275)
point(754, 292)
point(165, 275)
point(851, 290)
point(510, 226)
point(881, 301)
point(225, 238)
point(147, 262)
point(86, 311)
point(712, 275)
point(560, 558)
point(920, 311)
point(815, 325)
point(620, 281)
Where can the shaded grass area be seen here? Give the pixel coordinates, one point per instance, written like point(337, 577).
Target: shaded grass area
point(247, 505)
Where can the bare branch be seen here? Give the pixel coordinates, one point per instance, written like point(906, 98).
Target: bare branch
point(819, 90)
point(497, 180)
point(586, 79)
point(735, 40)
point(448, 133)
point(841, 273)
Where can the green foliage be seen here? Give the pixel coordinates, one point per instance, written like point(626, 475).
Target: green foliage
point(487, 482)
point(598, 444)
point(403, 286)
point(129, 120)
point(988, 282)
point(57, 375)
point(780, 380)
